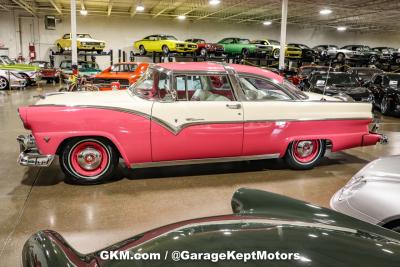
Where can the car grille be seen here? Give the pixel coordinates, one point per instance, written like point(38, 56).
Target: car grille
point(293, 49)
point(105, 81)
point(91, 43)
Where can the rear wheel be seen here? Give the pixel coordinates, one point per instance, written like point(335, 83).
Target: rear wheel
point(60, 49)
point(88, 160)
point(340, 57)
point(373, 60)
point(305, 154)
point(245, 52)
point(165, 50)
point(276, 53)
point(3, 83)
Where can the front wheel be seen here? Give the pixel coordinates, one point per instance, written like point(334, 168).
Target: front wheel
point(3, 83)
point(88, 160)
point(276, 53)
point(165, 50)
point(142, 50)
point(305, 154)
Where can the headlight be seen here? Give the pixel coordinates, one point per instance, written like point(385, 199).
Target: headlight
point(355, 184)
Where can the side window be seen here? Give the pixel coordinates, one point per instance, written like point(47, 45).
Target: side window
point(203, 88)
point(66, 36)
point(227, 41)
point(258, 89)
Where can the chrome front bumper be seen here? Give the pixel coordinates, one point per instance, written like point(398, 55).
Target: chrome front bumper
point(30, 155)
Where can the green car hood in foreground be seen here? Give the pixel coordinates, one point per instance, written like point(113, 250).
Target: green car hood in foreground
point(263, 223)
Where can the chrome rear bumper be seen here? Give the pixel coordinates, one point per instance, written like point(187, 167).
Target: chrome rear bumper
point(30, 155)
point(383, 138)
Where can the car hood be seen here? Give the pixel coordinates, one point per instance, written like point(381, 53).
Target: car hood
point(382, 168)
point(345, 89)
point(115, 99)
point(89, 40)
point(19, 67)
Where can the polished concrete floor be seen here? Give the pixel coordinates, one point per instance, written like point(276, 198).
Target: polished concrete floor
point(91, 217)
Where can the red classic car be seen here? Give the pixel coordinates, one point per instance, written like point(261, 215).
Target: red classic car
point(186, 113)
point(47, 72)
point(204, 48)
point(120, 75)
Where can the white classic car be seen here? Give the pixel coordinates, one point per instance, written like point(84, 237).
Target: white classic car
point(11, 79)
point(185, 113)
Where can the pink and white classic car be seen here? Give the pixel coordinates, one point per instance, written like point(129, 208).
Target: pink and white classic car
point(186, 113)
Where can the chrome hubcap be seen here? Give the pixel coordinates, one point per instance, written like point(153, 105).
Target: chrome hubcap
point(89, 158)
point(276, 53)
point(3, 83)
point(305, 148)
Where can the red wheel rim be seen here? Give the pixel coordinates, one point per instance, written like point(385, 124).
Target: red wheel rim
point(89, 158)
point(305, 151)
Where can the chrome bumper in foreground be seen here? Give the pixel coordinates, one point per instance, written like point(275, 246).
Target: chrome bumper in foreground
point(383, 138)
point(30, 155)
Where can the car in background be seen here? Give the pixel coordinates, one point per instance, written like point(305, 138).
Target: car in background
point(241, 46)
point(120, 75)
point(322, 51)
point(386, 53)
point(84, 42)
point(11, 79)
point(372, 194)
point(47, 72)
point(277, 226)
point(362, 54)
point(85, 68)
point(303, 73)
point(339, 83)
point(29, 72)
point(386, 90)
point(364, 74)
point(204, 48)
point(290, 52)
point(307, 54)
point(163, 43)
point(170, 115)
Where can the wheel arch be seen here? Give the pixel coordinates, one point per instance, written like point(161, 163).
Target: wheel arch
point(112, 140)
point(390, 222)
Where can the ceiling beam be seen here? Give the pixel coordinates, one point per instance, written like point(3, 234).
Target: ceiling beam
point(222, 10)
point(25, 6)
point(82, 5)
point(110, 6)
point(4, 7)
point(56, 7)
point(161, 11)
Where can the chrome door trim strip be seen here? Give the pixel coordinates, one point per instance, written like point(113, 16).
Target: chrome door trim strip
point(202, 161)
point(177, 129)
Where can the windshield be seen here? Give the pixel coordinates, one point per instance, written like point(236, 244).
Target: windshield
point(366, 74)
point(393, 80)
point(123, 68)
point(244, 41)
point(273, 42)
point(6, 60)
point(168, 37)
point(88, 65)
point(153, 85)
point(83, 35)
point(334, 79)
point(293, 89)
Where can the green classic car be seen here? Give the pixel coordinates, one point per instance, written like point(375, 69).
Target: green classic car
point(239, 46)
point(29, 72)
point(265, 229)
point(85, 68)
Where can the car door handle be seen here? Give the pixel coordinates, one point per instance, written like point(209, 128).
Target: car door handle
point(234, 106)
point(194, 119)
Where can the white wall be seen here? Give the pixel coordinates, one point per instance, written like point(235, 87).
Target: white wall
point(120, 33)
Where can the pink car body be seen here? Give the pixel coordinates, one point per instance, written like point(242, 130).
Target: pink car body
point(215, 118)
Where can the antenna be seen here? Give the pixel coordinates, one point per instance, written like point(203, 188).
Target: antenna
point(326, 80)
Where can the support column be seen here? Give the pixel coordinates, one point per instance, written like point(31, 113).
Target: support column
point(283, 34)
point(74, 49)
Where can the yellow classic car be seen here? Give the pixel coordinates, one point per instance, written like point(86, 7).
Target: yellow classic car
point(290, 52)
point(163, 43)
point(84, 42)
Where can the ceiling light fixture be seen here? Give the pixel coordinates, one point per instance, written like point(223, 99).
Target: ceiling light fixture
point(84, 12)
point(214, 2)
point(267, 23)
point(181, 17)
point(140, 7)
point(341, 28)
point(325, 11)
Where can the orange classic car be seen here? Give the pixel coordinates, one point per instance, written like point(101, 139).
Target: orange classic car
point(120, 75)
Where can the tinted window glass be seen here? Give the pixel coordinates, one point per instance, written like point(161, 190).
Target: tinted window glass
point(257, 89)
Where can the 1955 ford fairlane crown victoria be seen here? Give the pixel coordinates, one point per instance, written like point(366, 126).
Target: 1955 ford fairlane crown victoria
point(186, 113)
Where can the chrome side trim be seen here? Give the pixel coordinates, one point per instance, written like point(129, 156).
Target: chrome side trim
point(177, 129)
point(202, 161)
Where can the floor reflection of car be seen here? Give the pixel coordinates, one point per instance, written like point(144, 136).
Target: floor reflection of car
point(263, 228)
point(120, 75)
point(373, 194)
point(187, 113)
point(339, 83)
